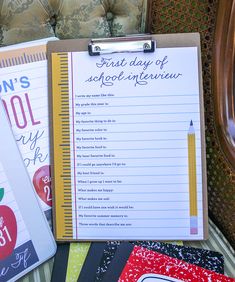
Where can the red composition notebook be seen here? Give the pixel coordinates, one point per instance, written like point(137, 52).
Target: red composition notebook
point(138, 264)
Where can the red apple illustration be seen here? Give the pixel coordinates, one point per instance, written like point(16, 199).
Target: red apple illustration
point(42, 184)
point(8, 229)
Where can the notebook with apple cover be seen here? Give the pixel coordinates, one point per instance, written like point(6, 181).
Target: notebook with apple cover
point(25, 236)
point(23, 89)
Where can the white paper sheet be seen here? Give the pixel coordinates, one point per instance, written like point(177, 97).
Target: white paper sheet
point(130, 116)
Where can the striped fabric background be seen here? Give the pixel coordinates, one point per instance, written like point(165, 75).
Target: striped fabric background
point(217, 242)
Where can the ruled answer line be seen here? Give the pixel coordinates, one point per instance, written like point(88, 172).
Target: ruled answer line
point(130, 149)
point(39, 77)
point(26, 70)
point(126, 166)
point(30, 137)
point(131, 175)
point(29, 90)
point(139, 237)
point(147, 201)
point(131, 105)
point(32, 140)
point(130, 140)
point(127, 193)
point(145, 114)
point(80, 97)
point(135, 158)
point(44, 107)
point(33, 130)
point(26, 153)
point(134, 227)
point(42, 120)
point(141, 122)
point(113, 218)
point(136, 131)
point(135, 210)
point(135, 184)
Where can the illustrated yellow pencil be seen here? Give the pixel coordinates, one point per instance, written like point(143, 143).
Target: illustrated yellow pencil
point(192, 180)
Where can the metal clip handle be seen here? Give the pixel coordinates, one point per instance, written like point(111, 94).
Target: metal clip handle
point(121, 45)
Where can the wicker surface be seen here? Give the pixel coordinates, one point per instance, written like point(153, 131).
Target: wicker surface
point(170, 16)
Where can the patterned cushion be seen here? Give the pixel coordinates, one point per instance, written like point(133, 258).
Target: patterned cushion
point(217, 242)
point(25, 20)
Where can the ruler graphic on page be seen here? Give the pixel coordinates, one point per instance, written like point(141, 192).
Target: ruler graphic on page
point(23, 89)
point(23, 55)
point(61, 142)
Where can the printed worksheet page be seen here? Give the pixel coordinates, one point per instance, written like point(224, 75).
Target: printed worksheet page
point(136, 145)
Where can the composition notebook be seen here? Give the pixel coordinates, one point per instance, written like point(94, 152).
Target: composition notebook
point(128, 148)
point(23, 89)
point(101, 255)
point(25, 237)
point(139, 264)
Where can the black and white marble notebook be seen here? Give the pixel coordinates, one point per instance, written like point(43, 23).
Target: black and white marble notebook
point(101, 255)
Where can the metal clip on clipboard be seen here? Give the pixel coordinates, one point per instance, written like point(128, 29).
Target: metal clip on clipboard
point(121, 44)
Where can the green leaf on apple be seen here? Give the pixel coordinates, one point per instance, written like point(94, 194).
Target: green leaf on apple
point(1, 193)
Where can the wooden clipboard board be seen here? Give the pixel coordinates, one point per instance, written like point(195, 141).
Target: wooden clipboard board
point(63, 223)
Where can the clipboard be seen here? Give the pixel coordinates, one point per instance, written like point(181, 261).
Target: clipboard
point(64, 221)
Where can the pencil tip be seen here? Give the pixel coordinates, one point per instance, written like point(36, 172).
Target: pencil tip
point(191, 123)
